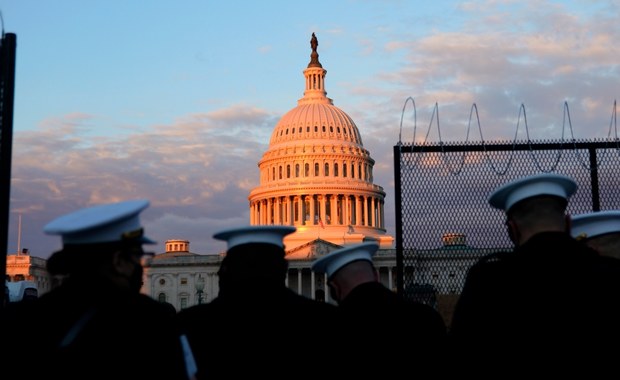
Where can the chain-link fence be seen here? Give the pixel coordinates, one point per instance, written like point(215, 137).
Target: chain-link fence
point(444, 222)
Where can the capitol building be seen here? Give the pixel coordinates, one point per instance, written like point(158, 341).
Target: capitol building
point(316, 175)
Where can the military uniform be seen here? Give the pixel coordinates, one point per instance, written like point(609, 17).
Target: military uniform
point(548, 305)
point(394, 335)
point(95, 324)
point(91, 331)
point(257, 327)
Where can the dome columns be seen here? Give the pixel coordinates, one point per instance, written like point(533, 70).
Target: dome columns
point(330, 209)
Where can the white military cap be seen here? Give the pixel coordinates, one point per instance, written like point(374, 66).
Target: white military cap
point(594, 224)
point(269, 234)
point(104, 223)
point(506, 196)
point(335, 260)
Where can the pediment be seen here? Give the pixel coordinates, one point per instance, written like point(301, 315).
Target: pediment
point(311, 250)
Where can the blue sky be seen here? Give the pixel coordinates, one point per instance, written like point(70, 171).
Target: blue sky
point(175, 101)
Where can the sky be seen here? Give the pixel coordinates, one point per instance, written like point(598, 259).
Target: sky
point(175, 101)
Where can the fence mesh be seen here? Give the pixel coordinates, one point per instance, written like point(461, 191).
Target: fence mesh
point(444, 222)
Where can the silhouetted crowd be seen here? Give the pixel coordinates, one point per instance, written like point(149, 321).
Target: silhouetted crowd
point(548, 306)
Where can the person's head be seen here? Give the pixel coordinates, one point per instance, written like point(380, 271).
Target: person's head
point(347, 267)
point(102, 241)
point(254, 254)
point(600, 230)
point(534, 204)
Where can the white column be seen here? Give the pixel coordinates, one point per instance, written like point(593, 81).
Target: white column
point(358, 211)
point(302, 206)
point(312, 210)
point(373, 211)
point(322, 213)
point(325, 288)
point(252, 213)
point(366, 216)
point(334, 214)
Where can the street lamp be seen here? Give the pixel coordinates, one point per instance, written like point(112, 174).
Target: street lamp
point(200, 287)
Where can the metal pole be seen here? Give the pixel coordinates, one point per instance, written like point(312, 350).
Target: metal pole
point(7, 90)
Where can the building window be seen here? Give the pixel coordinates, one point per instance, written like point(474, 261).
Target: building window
point(162, 281)
point(273, 174)
point(288, 171)
point(161, 297)
point(316, 170)
point(296, 170)
point(183, 280)
point(344, 169)
point(280, 170)
point(336, 170)
point(326, 173)
point(307, 170)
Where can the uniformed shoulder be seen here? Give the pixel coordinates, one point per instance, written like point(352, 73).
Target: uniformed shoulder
point(496, 257)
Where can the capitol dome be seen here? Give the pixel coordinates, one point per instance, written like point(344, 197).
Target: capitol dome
point(317, 175)
point(318, 121)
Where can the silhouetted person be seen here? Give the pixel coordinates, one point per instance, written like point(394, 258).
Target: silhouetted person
point(547, 303)
point(257, 327)
point(599, 230)
point(392, 332)
point(96, 323)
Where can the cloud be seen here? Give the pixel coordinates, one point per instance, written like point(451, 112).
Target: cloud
point(200, 168)
point(197, 170)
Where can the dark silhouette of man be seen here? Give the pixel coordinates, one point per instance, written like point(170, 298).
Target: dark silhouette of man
point(257, 327)
point(547, 303)
point(95, 323)
point(404, 331)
